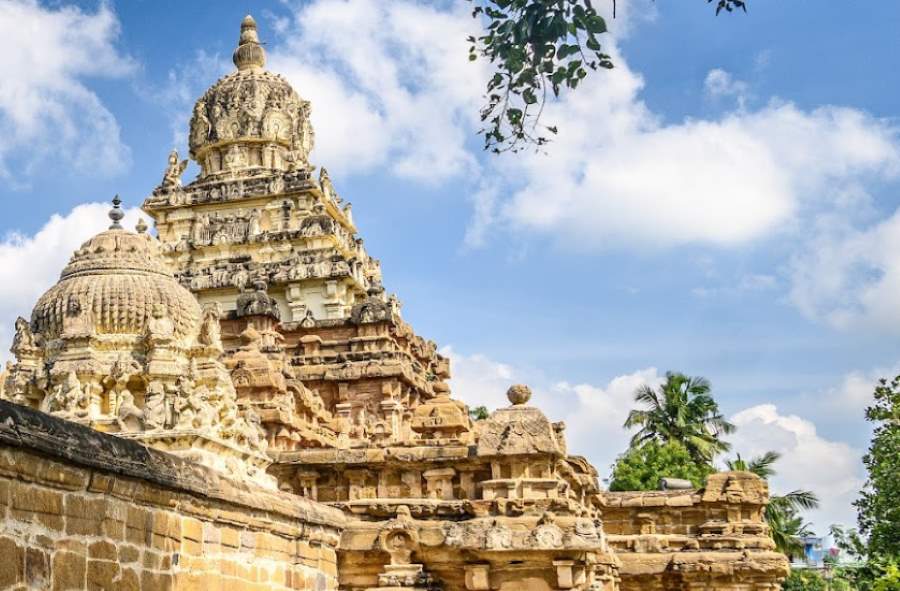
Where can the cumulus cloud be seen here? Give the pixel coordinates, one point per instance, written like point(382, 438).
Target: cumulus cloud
point(831, 469)
point(594, 414)
point(31, 264)
point(721, 84)
point(46, 109)
point(402, 94)
point(403, 97)
point(618, 175)
point(850, 277)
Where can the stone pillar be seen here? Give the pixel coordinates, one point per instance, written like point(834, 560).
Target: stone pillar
point(296, 303)
point(478, 577)
point(439, 483)
point(565, 575)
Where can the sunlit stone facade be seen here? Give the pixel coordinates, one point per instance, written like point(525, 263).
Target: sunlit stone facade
point(254, 339)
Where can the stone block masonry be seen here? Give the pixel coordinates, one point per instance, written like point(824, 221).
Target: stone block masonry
point(81, 509)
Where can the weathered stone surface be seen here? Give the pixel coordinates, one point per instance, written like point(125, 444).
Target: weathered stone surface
point(252, 348)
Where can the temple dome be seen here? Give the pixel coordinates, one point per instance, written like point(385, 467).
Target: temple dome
point(119, 277)
point(251, 118)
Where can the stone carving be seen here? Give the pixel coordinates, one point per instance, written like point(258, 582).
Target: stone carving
point(547, 534)
point(210, 332)
point(77, 321)
point(174, 170)
point(156, 411)
point(160, 329)
point(129, 416)
point(257, 302)
point(343, 402)
point(24, 339)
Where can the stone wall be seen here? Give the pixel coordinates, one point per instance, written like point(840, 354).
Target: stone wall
point(84, 510)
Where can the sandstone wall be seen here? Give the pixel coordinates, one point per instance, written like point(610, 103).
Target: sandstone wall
point(84, 510)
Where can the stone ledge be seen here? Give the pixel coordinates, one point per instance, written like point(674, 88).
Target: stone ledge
point(74, 444)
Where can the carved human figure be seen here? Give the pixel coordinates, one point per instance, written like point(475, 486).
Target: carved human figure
point(77, 320)
point(129, 417)
point(235, 157)
point(200, 230)
point(256, 434)
point(210, 331)
point(174, 170)
point(160, 328)
point(253, 228)
point(200, 126)
point(206, 413)
point(68, 399)
point(24, 338)
point(183, 407)
point(155, 410)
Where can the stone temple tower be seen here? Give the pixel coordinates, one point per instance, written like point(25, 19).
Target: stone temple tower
point(257, 212)
point(254, 339)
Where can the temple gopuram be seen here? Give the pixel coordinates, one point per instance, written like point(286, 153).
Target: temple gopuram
point(237, 403)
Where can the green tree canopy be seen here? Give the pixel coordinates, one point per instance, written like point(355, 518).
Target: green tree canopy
point(879, 503)
point(680, 410)
point(643, 467)
point(804, 580)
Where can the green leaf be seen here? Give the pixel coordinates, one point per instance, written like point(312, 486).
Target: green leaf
point(595, 24)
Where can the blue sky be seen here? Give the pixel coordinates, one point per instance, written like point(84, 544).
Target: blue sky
point(723, 203)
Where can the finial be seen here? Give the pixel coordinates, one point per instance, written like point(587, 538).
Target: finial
point(249, 53)
point(141, 226)
point(519, 394)
point(116, 214)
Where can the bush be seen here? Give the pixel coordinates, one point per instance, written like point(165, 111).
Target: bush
point(804, 580)
point(642, 468)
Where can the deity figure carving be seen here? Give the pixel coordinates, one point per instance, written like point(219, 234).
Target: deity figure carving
point(155, 411)
point(129, 417)
point(200, 230)
point(253, 224)
point(235, 157)
point(77, 320)
point(160, 328)
point(210, 332)
point(206, 414)
point(24, 339)
point(184, 406)
point(172, 177)
point(68, 399)
point(256, 434)
point(200, 126)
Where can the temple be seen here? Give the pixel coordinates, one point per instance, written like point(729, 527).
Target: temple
point(237, 403)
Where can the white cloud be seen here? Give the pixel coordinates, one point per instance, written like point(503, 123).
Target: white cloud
point(595, 415)
point(831, 469)
point(47, 113)
point(402, 96)
point(400, 93)
point(29, 265)
point(850, 277)
point(478, 380)
point(184, 85)
point(721, 84)
point(617, 175)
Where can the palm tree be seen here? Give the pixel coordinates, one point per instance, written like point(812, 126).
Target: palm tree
point(788, 530)
point(680, 410)
point(761, 466)
point(783, 511)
